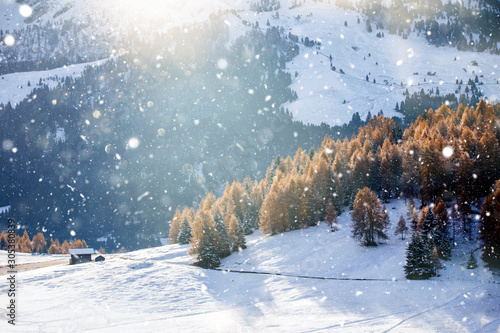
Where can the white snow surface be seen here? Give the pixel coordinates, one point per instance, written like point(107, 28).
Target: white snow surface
point(157, 289)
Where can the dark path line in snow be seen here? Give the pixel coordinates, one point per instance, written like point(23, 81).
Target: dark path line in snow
point(300, 276)
point(496, 321)
point(348, 323)
point(430, 309)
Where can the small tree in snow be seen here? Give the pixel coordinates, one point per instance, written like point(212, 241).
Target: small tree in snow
point(420, 264)
point(331, 216)
point(369, 221)
point(412, 215)
point(471, 262)
point(222, 236)
point(236, 237)
point(203, 240)
point(401, 228)
point(185, 233)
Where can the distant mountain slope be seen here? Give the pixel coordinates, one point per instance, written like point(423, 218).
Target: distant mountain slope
point(377, 71)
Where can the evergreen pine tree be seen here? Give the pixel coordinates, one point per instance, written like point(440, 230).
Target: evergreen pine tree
point(471, 262)
point(208, 256)
point(443, 244)
point(250, 219)
point(428, 223)
point(203, 240)
point(441, 237)
point(185, 233)
point(490, 228)
point(236, 237)
point(223, 243)
point(419, 261)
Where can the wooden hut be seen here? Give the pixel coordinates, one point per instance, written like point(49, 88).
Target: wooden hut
point(80, 255)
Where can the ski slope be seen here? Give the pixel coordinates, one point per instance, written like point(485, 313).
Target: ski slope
point(157, 288)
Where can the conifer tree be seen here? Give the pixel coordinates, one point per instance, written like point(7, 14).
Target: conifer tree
point(337, 193)
point(271, 171)
point(412, 215)
point(428, 223)
point(53, 249)
point(65, 247)
point(471, 261)
point(368, 218)
point(441, 215)
point(429, 227)
point(185, 232)
point(175, 226)
point(222, 241)
point(236, 237)
point(321, 187)
point(273, 214)
point(25, 243)
point(203, 240)
point(401, 228)
point(420, 264)
point(250, 219)
point(386, 177)
point(490, 228)
point(454, 221)
point(39, 242)
point(239, 199)
point(3, 241)
point(331, 216)
point(436, 262)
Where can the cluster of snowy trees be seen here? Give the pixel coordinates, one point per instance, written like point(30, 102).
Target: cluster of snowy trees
point(265, 6)
point(445, 155)
point(430, 239)
point(39, 245)
point(466, 26)
point(56, 44)
point(219, 225)
point(413, 104)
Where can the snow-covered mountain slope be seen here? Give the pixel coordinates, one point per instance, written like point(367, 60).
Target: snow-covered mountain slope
point(159, 14)
point(391, 64)
point(155, 288)
point(17, 86)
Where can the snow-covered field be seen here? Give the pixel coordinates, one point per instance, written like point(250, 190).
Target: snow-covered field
point(157, 290)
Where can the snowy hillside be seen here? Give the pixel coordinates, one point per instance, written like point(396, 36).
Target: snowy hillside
point(17, 86)
point(377, 70)
point(365, 290)
point(393, 62)
point(139, 14)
